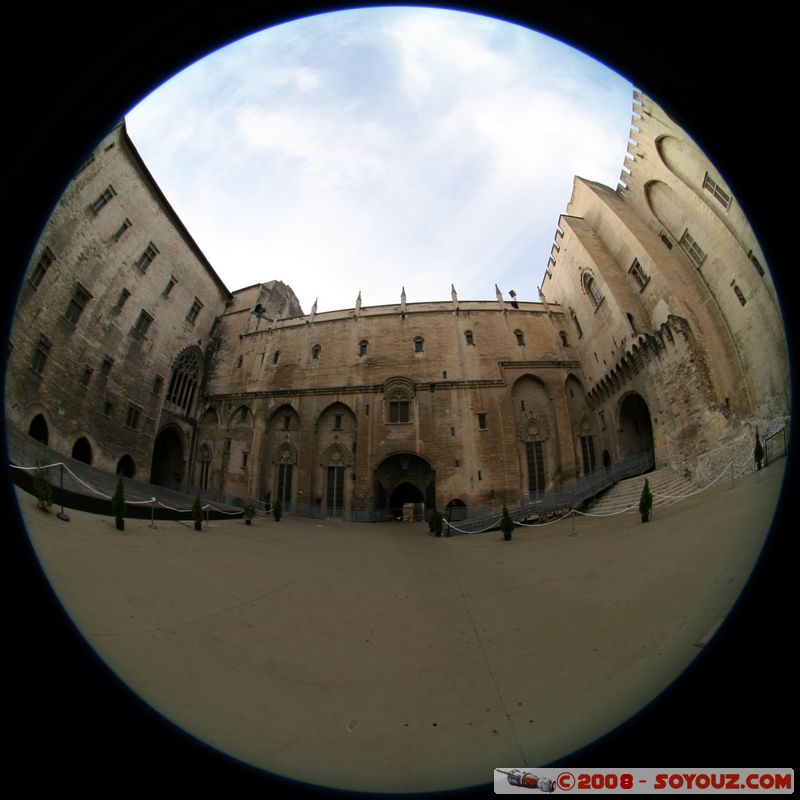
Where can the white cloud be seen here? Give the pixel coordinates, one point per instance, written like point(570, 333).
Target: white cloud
point(377, 148)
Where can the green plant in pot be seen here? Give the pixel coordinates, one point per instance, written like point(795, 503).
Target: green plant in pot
point(197, 514)
point(506, 524)
point(249, 513)
point(646, 502)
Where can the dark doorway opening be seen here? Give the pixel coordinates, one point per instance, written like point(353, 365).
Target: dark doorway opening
point(126, 467)
point(167, 468)
point(404, 478)
point(455, 510)
point(82, 450)
point(38, 429)
point(635, 427)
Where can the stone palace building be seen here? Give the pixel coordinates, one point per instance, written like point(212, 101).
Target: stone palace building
point(657, 329)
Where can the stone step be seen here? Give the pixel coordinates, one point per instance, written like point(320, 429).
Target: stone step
point(666, 485)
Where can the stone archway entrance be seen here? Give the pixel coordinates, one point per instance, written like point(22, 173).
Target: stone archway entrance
point(126, 467)
point(82, 450)
point(38, 429)
point(404, 478)
point(635, 427)
point(168, 462)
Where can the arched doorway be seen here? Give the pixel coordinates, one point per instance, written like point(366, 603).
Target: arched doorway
point(402, 494)
point(635, 427)
point(82, 450)
point(455, 510)
point(38, 429)
point(126, 467)
point(404, 478)
point(168, 463)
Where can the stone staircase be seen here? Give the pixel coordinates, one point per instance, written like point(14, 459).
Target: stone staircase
point(667, 486)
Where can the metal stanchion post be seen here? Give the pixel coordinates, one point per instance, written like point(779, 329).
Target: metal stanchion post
point(152, 512)
point(61, 514)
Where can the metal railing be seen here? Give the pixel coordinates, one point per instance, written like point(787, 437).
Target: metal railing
point(572, 495)
point(775, 446)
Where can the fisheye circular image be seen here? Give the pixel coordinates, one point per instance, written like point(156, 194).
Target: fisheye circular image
point(395, 395)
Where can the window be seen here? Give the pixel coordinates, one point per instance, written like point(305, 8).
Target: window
point(756, 263)
point(577, 324)
point(104, 199)
point(692, 249)
point(587, 450)
point(275, 356)
point(739, 294)
point(666, 240)
point(120, 232)
point(362, 347)
point(170, 286)
point(244, 460)
point(40, 354)
point(592, 289)
point(158, 382)
point(105, 367)
point(132, 418)
point(315, 351)
point(87, 376)
point(337, 422)
point(143, 323)
point(520, 337)
point(147, 257)
point(183, 383)
point(227, 445)
point(42, 265)
point(639, 275)
point(419, 344)
point(469, 337)
point(75, 308)
point(717, 191)
point(537, 477)
point(239, 362)
point(286, 422)
point(564, 339)
point(108, 408)
point(399, 409)
point(243, 415)
point(122, 299)
point(483, 424)
point(194, 310)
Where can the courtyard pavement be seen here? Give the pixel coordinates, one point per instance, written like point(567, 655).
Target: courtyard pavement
point(376, 657)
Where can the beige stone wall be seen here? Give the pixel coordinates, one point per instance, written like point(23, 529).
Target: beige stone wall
point(479, 402)
point(463, 382)
point(675, 189)
point(99, 249)
point(709, 367)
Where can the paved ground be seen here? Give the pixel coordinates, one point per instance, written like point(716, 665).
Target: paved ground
point(376, 657)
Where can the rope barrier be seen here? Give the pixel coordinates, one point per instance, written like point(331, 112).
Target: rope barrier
point(150, 501)
point(628, 509)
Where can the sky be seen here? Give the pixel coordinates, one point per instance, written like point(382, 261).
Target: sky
point(380, 149)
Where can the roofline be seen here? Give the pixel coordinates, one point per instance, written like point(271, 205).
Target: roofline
point(169, 210)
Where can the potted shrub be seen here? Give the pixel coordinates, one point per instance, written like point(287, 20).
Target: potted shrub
point(118, 504)
point(435, 523)
point(646, 501)
point(42, 487)
point(249, 513)
point(758, 452)
point(506, 524)
point(277, 510)
point(197, 514)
